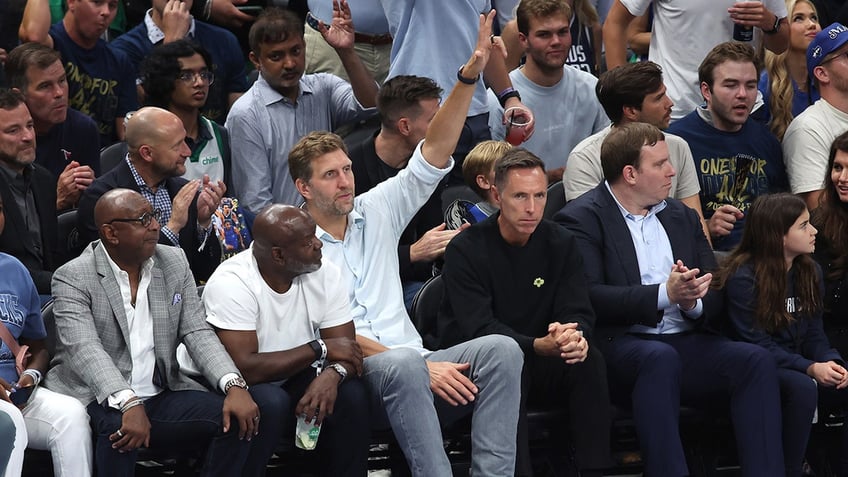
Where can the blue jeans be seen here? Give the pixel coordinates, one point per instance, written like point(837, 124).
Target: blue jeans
point(345, 434)
point(179, 420)
point(399, 382)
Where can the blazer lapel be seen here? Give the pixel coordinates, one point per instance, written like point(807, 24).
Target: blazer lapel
point(113, 291)
point(158, 301)
point(619, 235)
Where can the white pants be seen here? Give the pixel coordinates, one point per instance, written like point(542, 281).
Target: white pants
point(16, 460)
point(59, 424)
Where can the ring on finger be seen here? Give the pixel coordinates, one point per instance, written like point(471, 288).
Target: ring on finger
point(119, 433)
point(492, 39)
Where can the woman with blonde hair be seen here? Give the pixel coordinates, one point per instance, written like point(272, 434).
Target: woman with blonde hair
point(786, 89)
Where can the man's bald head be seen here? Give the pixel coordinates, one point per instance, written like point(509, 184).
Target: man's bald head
point(284, 242)
point(148, 125)
point(116, 204)
point(276, 223)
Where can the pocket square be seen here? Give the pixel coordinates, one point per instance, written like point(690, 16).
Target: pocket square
point(177, 298)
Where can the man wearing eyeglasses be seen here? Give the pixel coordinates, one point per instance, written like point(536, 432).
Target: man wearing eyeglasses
point(169, 21)
point(154, 165)
point(177, 76)
point(121, 309)
point(737, 158)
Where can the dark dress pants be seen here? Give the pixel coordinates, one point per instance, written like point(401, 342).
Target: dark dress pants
point(179, 420)
point(345, 435)
point(661, 371)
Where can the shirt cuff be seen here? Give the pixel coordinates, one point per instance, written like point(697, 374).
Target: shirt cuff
point(663, 301)
point(225, 379)
point(175, 240)
point(118, 399)
point(694, 313)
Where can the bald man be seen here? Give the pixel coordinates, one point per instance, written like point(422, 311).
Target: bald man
point(153, 166)
point(277, 308)
point(121, 308)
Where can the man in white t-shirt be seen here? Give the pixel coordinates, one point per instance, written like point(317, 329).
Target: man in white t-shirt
point(806, 144)
point(684, 31)
point(285, 319)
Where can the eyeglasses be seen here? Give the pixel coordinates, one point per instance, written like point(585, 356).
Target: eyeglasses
point(145, 219)
point(191, 76)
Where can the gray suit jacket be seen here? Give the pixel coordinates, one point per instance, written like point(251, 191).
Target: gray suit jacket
point(93, 357)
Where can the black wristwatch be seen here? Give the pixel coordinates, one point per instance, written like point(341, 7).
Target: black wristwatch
point(463, 79)
point(775, 28)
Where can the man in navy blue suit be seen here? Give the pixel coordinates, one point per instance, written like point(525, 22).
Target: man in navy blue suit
point(644, 255)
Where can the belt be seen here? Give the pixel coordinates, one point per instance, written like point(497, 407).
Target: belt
point(376, 40)
point(384, 39)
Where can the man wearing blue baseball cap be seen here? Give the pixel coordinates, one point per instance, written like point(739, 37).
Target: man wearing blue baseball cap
point(807, 141)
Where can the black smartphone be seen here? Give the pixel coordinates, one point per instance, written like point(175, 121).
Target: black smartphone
point(250, 9)
point(312, 21)
point(20, 396)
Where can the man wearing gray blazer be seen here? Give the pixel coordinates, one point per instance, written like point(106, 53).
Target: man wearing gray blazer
point(121, 309)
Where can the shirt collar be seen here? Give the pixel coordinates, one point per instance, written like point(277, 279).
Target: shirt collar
point(654, 210)
point(354, 219)
point(119, 273)
point(155, 34)
point(137, 177)
point(269, 95)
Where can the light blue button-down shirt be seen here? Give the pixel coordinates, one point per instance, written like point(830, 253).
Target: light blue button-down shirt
point(368, 256)
point(654, 255)
point(264, 126)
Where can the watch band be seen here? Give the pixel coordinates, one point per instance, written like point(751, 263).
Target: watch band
point(775, 28)
point(337, 367)
point(238, 382)
point(463, 79)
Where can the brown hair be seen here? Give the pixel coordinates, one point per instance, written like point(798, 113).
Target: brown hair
point(831, 216)
point(627, 85)
point(400, 96)
point(623, 147)
point(515, 158)
point(24, 56)
point(766, 223)
point(311, 146)
point(723, 52)
point(528, 9)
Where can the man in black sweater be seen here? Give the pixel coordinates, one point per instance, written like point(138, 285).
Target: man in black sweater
point(518, 275)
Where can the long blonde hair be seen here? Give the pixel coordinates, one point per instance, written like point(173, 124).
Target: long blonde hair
point(780, 82)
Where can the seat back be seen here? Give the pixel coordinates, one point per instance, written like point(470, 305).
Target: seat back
point(556, 200)
point(70, 245)
point(50, 326)
point(112, 155)
point(425, 309)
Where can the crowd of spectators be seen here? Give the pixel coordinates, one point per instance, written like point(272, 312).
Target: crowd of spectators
point(313, 164)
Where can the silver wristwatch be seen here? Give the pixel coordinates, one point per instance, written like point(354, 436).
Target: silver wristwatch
point(238, 382)
point(339, 369)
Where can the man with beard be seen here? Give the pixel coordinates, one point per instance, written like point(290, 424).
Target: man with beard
point(285, 105)
point(737, 158)
point(66, 140)
point(29, 194)
point(412, 389)
point(806, 144)
point(154, 164)
point(284, 317)
point(101, 80)
point(562, 98)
